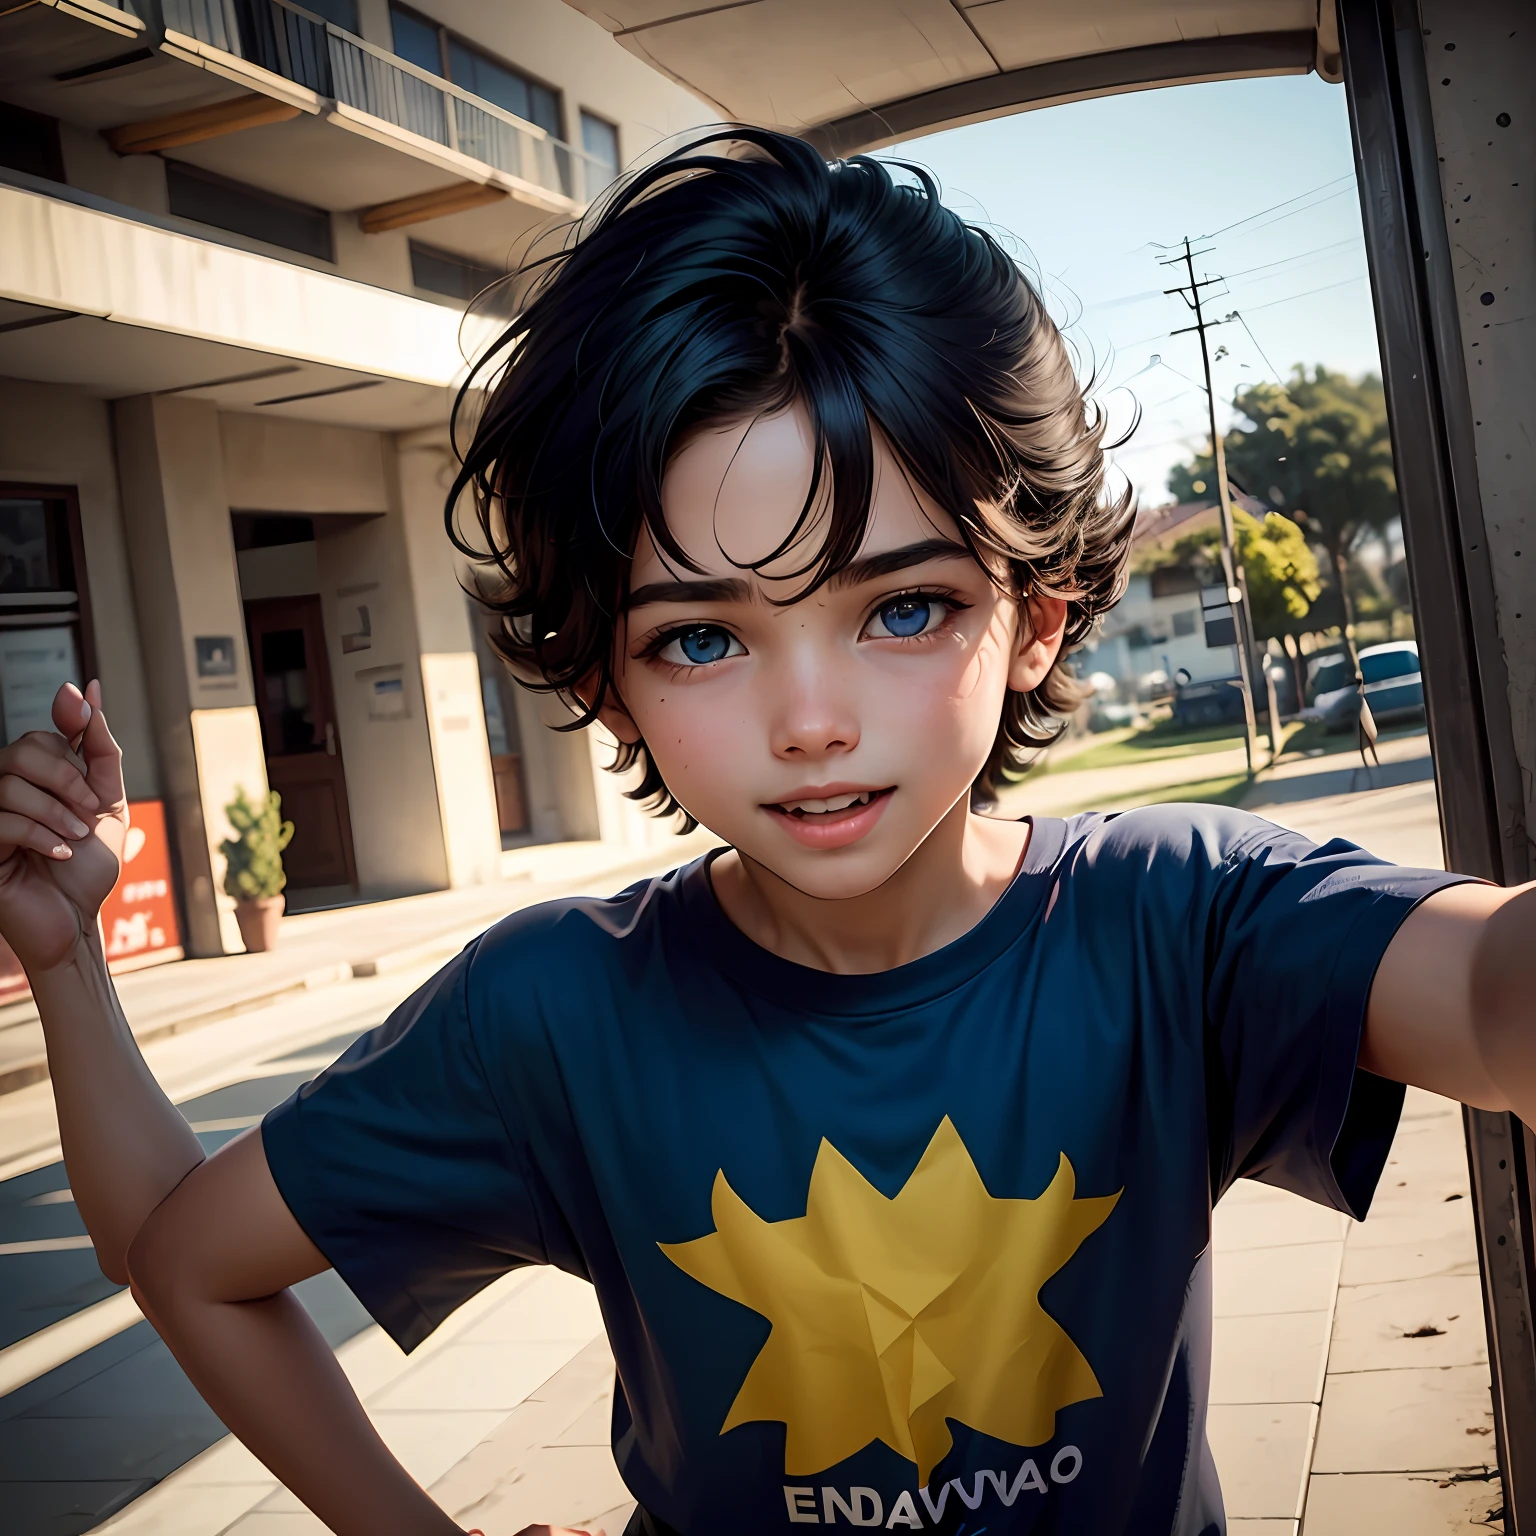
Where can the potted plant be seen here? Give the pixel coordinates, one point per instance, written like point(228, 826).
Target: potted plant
point(253, 871)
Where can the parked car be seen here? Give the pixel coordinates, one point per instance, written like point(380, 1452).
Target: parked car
point(1213, 701)
point(1393, 687)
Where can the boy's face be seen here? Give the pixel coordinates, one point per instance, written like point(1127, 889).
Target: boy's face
point(828, 738)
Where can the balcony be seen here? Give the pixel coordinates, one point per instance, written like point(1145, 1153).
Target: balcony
point(285, 40)
point(270, 95)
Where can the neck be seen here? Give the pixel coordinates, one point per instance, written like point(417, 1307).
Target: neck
point(948, 885)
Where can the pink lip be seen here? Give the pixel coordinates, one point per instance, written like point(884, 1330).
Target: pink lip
point(835, 831)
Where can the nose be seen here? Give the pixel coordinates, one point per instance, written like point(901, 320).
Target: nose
point(813, 717)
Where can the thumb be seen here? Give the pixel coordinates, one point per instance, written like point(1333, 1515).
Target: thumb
point(97, 746)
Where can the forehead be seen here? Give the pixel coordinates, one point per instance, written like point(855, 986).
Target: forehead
point(733, 493)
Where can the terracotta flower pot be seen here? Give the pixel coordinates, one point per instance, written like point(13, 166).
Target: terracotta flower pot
point(258, 919)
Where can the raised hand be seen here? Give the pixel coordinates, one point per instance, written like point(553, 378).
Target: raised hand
point(63, 820)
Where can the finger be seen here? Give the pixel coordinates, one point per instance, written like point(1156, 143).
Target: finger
point(16, 794)
point(45, 760)
point(103, 757)
point(70, 711)
point(22, 832)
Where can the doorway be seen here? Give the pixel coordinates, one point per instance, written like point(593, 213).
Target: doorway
point(298, 732)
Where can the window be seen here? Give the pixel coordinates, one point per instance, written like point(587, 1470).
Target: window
point(1174, 580)
point(417, 40)
point(425, 43)
point(600, 140)
point(243, 210)
point(1385, 664)
point(29, 142)
point(452, 276)
point(1186, 621)
point(340, 13)
point(44, 627)
point(1331, 674)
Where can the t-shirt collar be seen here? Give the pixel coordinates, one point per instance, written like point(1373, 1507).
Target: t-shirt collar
point(748, 965)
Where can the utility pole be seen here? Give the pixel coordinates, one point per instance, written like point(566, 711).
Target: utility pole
point(1237, 593)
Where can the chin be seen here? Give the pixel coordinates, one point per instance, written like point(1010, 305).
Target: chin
point(840, 874)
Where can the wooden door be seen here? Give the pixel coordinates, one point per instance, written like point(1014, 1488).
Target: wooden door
point(298, 733)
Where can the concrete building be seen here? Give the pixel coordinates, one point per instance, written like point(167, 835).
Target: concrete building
point(236, 241)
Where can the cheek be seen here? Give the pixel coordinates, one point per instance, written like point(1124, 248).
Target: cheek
point(694, 731)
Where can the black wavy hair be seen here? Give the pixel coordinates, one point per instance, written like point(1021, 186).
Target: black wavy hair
point(733, 277)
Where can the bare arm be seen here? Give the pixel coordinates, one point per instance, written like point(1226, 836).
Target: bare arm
point(1453, 1007)
point(63, 818)
point(211, 1268)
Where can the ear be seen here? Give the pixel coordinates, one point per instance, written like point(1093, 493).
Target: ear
point(1042, 625)
point(611, 712)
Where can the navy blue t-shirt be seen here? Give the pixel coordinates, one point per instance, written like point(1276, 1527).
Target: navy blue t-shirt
point(920, 1250)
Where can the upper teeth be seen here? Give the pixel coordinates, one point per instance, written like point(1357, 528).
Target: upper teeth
point(836, 803)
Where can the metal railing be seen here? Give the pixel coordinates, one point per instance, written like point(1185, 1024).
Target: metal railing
point(284, 38)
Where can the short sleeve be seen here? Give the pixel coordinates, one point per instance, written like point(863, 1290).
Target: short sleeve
point(1294, 934)
point(397, 1164)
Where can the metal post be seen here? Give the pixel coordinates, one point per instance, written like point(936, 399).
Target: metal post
point(1235, 593)
point(1467, 687)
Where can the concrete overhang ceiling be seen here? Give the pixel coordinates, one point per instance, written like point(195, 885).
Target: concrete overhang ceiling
point(857, 74)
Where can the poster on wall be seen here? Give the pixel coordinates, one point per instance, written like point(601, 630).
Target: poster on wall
point(138, 919)
point(33, 663)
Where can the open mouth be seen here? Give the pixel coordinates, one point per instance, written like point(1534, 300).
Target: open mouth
point(832, 821)
point(832, 808)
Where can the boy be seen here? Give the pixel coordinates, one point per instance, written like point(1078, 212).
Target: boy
point(888, 1135)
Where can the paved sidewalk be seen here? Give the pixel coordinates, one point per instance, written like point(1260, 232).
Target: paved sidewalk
point(503, 1414)
point(1350, 1387)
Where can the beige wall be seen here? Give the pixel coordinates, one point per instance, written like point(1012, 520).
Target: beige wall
point(182, 558)
point(54, 436)
point(275, 464)
point(397, 830)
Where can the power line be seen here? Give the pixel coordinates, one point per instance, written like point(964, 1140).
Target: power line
point(1306, 209)
point(1155, 293)
point(1317, 250)
point(1237, 315)
point(1307, 294)
point(1238, 223)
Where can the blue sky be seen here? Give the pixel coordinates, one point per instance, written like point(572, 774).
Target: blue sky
point(1080, 193)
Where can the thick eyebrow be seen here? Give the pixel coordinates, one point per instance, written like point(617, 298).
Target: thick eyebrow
point(732, 589)
point(871, 567)
point(726, 589)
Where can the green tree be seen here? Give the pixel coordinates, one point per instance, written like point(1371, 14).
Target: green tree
point(1278, 564)
point(1318, 447)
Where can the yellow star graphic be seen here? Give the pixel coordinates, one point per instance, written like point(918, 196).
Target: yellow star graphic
point(891, 1316)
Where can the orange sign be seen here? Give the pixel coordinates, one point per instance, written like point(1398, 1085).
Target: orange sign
point(138, 918)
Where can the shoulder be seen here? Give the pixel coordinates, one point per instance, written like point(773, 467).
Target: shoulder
point(1166, 839)
point(564, 946)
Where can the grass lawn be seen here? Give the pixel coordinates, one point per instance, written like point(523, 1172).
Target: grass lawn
point(1161, 743)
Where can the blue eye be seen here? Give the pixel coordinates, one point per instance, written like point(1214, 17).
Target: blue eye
point(701, 645)
point(905, 617)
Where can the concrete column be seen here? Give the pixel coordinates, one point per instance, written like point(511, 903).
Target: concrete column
point(450, 673)
point(1481, 61)
point(192, 629)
